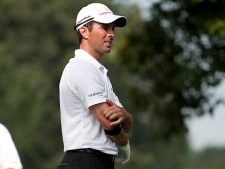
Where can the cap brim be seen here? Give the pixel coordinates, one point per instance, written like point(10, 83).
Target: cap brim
point(120, 21)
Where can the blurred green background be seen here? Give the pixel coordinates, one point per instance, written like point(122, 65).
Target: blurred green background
point(161, 67)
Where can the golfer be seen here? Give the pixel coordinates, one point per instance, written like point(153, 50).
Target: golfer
point(94, 122)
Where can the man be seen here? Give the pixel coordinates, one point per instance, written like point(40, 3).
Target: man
point(94, 123)
point(9, 157)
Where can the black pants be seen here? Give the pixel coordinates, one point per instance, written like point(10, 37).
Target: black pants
point(86, 160)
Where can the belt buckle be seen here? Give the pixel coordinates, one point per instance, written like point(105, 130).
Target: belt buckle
point(113, 157)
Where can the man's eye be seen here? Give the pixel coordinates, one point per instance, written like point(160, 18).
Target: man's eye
point(105, 27)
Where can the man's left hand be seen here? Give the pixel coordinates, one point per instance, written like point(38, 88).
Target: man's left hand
point(115, 113)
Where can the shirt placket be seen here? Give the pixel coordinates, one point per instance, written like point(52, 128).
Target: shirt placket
point(104, 71)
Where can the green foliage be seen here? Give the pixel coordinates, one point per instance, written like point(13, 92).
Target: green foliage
point(174, 58)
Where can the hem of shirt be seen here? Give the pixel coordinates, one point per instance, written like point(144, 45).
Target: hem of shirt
point(96, 101)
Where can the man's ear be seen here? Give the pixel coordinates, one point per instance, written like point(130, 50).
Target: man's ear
point(84, 32)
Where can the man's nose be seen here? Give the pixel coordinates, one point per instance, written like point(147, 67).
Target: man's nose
point(111, 32)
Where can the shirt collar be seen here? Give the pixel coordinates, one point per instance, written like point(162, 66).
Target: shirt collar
point(82, 54)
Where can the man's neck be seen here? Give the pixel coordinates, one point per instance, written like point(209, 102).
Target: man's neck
point(93, 53)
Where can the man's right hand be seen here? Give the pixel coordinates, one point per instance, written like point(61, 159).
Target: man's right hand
point(123, 154)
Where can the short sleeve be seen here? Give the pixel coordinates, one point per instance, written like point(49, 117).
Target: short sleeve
point(87, 82)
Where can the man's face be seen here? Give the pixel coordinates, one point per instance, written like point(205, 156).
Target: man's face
point(101, 37)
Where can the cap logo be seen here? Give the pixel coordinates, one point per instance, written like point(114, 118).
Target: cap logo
point(103, 13)
point(84, 19)
point(82, 22)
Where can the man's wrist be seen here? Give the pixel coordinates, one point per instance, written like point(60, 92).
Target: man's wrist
point(114, 131)
point(125, 147)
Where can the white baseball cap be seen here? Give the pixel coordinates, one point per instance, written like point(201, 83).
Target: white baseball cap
point(100, 13)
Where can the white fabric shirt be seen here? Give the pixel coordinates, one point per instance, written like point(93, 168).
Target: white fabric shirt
point(84, 83)
point(9, 157)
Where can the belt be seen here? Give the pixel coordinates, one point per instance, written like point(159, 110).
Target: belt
point(95, 152)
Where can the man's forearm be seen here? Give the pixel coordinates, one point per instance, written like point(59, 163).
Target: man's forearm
point(128, 123)
point(120, 139)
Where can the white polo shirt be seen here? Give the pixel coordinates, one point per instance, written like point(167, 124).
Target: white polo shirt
point(9, 157)
point(84, 83)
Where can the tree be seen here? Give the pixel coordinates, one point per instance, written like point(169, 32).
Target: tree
point(175, 57)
